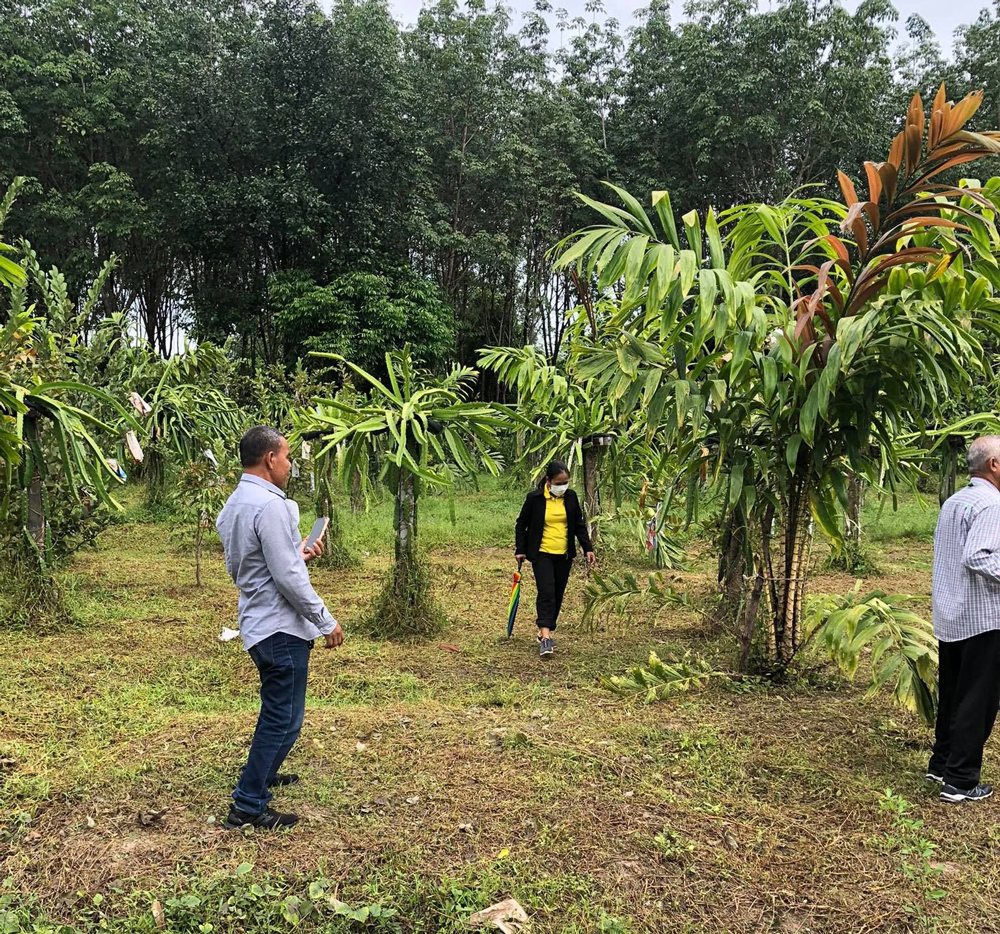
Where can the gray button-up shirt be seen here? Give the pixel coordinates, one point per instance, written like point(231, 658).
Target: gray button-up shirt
point(966, 587)
point(259, 528)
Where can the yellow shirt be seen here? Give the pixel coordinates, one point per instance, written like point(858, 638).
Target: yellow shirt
point(555, 535)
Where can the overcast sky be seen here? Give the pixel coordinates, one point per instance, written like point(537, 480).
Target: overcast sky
point(943, 16)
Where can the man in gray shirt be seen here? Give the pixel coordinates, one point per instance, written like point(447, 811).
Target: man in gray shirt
point(280, 614)
point(966, 608)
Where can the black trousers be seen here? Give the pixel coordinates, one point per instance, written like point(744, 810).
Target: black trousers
point(551, 575)
point(968, 696)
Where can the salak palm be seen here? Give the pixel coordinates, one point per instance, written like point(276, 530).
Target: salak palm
point(810, 335)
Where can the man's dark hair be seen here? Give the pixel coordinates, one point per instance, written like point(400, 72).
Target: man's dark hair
point(257, 442)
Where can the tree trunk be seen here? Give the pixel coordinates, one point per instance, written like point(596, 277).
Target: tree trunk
point(199, 535)
point(357, 494)
point(852, 517)
point(156, 476)
point(949, 469)
point(592, 457)
point(732, 565)
point(405, 524)
point(790, 587)
point(35, 517)
point(36, 512)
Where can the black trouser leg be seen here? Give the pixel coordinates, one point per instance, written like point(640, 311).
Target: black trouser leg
point(551, 575)
point(561, 566)
point(949, 666)
point(968, 697)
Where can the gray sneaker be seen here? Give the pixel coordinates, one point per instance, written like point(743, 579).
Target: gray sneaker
point(546, 647)
point(957, 795)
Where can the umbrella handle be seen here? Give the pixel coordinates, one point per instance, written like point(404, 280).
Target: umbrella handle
point(520, 561)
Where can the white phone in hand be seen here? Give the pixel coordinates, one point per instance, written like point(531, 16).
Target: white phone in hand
point(316, 533)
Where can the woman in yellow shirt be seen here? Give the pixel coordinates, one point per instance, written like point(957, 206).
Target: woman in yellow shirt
point(547, 530)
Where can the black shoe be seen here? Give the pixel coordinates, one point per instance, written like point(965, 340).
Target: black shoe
point(546, 648)
point(934, 777)
point(957, 795)
point(269, 820)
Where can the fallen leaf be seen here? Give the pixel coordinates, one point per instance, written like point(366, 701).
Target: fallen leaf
point(159, 918)
point(360, 746)
point(148, 818)
point(91, 822)
point(506, 916)
point(503, 853)
point(465, 828)
point(448, 648)
point(415, 799)
point(8, 763)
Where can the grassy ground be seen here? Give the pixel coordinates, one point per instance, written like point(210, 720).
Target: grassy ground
point(442, 777)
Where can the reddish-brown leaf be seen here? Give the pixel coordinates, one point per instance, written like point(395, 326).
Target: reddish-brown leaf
point(822, 281)
point(838, 298)
point(915, 222)
point(838, 246)
point(912, 254)
point(874, 182)
point(847, 187)
point(988, 142)
point(940, 99)
point(962, 112)
point(872, 210)
point(939, 113)
point(804, 327)
point(858, 300)
point(924, 204)
point(934, 132)
point(950, 191)
point(915, 115)
point(896, 151)
point(889, 174)
point(913, 146)
point(947, 164)
point(860, 236)
point(853, 213)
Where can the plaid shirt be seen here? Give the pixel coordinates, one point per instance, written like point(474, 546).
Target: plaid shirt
point(966, 587)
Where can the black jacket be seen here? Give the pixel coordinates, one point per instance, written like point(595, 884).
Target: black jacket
point(531, 524)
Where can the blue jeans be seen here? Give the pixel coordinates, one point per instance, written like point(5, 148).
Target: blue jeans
point(283, 663)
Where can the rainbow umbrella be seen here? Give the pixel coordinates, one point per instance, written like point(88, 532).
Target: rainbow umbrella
point(515, 598)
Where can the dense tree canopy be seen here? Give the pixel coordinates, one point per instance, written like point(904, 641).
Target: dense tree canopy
point(219, 149)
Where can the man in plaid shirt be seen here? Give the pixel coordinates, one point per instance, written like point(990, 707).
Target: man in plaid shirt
point(966, 607)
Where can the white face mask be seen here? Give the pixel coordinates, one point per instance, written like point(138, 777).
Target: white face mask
point(558, 489)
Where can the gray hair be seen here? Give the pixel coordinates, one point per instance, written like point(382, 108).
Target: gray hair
point(981, 451)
